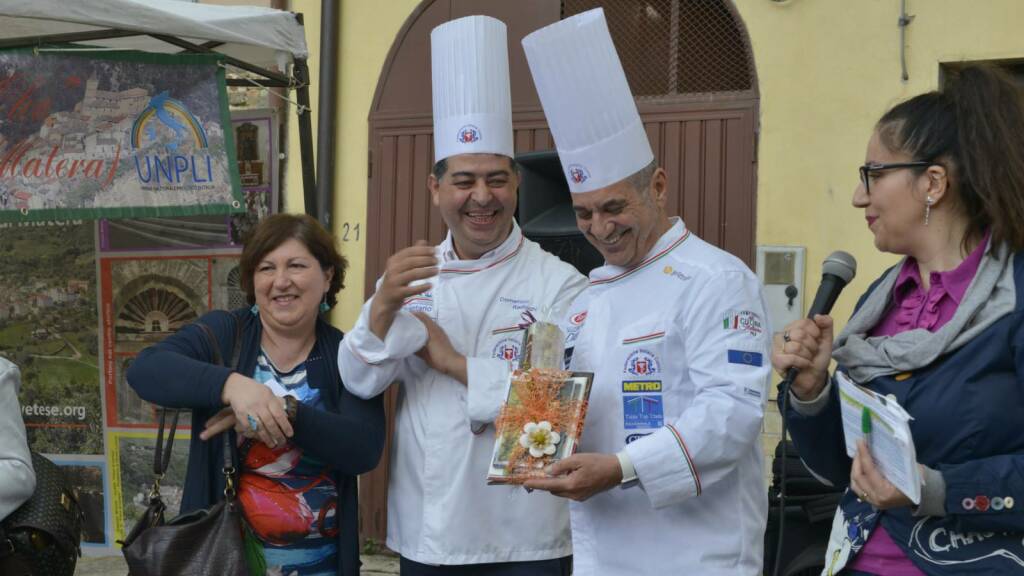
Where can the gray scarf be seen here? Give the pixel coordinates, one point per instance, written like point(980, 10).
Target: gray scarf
point(990, 296)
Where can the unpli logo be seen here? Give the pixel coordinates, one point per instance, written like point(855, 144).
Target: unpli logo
point(469, 134)
point(578, 174)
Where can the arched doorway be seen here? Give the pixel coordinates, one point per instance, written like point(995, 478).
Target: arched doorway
point(691, 69)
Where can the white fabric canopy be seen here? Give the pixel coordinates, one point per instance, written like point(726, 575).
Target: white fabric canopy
point(254, 34)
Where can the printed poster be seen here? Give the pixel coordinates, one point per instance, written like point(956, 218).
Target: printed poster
point(255, 136)
point(48, 328)
point(114, 134)
point(131, 468)
point(144, 300)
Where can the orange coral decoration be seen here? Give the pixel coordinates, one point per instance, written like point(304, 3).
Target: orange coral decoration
point(536, 395)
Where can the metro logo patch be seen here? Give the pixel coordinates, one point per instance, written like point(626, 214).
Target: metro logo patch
point(641, 386)
point(642, 362)
point(578, 319)
point(743, 321)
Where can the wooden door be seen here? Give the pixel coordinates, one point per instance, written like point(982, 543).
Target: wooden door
point(701, 123)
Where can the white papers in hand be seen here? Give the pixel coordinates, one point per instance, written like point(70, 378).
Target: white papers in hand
point(892, 446)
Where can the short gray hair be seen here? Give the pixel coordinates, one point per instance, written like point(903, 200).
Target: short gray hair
point(641, 179)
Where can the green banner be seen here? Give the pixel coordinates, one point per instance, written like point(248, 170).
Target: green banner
point(114, 135)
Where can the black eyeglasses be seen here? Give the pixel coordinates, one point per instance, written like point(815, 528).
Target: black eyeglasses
point(867, 169)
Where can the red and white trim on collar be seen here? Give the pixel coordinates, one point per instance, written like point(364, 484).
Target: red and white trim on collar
point(645, 263)
point(505, 258)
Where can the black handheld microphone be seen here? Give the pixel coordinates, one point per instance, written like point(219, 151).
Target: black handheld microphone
point(836, 272)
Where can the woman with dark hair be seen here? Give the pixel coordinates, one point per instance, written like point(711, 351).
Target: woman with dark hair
point(302, 437)
point(942, 333)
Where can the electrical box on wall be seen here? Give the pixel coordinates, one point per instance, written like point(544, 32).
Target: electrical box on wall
point(781, 271)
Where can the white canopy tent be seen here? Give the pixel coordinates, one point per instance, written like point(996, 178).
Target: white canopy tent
point(259, 40)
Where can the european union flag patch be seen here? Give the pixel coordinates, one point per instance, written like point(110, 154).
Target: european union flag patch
point(744, 357)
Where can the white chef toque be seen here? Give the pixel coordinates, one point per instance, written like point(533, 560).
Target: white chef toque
point(587, 102)
point(472, 101)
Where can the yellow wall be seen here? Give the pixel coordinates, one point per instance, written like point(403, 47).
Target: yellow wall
point(367, 28)
point(827, 70)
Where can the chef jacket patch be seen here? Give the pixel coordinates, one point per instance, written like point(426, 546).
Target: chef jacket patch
point(507, 349)
point(642, 404)
point(743, 321)
point(578, 319)
point(642, 362)
point(744, 357)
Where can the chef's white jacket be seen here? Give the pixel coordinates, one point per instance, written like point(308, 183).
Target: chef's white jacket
point(440, 508)
point(680, 350)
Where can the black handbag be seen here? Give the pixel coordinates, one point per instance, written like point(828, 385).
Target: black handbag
point(42, 536)
point(203, 542)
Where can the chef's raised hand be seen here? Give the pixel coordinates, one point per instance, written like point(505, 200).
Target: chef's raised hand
point(417, 262)
point(580, 476)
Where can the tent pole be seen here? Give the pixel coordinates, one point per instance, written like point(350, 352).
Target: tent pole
point(301, 72)
point(327, 110)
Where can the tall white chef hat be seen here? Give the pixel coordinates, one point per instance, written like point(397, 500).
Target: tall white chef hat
point(587, 101)
point(472, 101)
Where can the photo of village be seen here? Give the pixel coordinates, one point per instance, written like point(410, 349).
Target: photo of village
point(48, 328)
point(144, 300)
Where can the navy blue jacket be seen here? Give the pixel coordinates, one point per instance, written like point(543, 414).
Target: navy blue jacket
point(968, 409)
point(348, 436)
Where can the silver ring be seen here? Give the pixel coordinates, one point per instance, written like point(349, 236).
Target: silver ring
point(785, 336)
point(254, 424)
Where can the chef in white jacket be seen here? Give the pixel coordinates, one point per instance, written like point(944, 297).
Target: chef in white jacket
point(471, 295)
point(669, 477)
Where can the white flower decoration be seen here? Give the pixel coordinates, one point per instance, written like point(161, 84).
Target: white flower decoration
point(539, 438)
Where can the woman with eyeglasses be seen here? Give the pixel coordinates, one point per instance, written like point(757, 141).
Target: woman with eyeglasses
point(942, 333)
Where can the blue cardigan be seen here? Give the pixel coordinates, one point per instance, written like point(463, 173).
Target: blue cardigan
point(348, 436)
point(967, 407)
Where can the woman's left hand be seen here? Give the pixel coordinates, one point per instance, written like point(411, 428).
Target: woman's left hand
point(868, 483)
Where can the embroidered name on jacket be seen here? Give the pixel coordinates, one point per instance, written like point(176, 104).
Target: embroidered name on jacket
point(420, 302)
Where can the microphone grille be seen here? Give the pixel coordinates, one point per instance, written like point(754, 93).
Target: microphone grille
point(840, 264)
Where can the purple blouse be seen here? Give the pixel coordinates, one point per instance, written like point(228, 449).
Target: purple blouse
point(912, 308)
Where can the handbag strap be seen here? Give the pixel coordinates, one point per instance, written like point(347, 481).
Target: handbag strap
point(162, 457)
